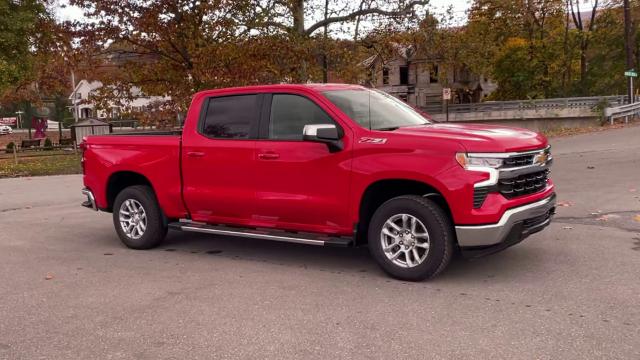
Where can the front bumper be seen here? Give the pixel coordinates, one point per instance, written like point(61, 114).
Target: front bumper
point(514, 226)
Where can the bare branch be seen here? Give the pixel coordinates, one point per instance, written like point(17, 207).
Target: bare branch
point(593, 15)
point(406, 10)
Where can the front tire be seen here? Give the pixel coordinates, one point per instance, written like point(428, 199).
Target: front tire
point(138, 218)
point(411, 238)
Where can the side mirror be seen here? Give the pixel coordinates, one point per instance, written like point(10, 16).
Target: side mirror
point(324, 133)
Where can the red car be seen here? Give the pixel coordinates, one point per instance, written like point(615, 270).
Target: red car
point(326, 165)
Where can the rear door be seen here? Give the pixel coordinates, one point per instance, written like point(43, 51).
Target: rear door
point(217, 160)
point(302, 185)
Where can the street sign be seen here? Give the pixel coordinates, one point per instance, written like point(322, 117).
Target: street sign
point(446, 94)
point(631, 73)
point(9, 121)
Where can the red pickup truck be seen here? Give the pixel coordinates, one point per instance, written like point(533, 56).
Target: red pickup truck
point(325, 165)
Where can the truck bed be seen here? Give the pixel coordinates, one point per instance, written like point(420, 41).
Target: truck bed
point(154, 154)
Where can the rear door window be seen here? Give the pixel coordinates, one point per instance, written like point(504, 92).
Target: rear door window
point(231, 117)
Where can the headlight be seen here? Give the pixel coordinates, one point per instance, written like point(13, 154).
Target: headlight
point(475, 162)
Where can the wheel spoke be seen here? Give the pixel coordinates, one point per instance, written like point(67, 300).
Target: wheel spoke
point(405, 221)
point(396, 255)
point(393, 225)
point(423, 245)
point(389, 233)
point(407, 256)
point(130, 206)
point(390, 247)
point(416, 255)
point(140, 229)
point(413, 225)
point(422, 236)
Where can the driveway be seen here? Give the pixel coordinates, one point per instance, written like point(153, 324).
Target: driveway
point(70, 290)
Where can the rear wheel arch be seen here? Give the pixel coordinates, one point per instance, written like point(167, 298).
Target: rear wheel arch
point(121, 180)
point(377, 193)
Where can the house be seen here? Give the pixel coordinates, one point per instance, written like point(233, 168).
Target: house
point(82, 100)
point(418, 78)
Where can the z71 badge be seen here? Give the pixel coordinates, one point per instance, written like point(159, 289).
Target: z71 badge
point(369, 140)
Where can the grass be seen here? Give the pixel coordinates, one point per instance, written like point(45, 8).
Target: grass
point(41, 166)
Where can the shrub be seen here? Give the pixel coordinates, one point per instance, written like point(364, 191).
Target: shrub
point(48, 145)
point(10, 147)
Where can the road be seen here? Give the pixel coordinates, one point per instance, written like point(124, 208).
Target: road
point(570, 292)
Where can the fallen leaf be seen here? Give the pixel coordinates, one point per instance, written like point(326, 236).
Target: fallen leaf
point(564, 204)
point(49, 276)
point(637, 218)
point(591, 167)
point(567, 227)
point(603, 218)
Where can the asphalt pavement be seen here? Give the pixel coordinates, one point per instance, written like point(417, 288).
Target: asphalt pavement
point(70, 290)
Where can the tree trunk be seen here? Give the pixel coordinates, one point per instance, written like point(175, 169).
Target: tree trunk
point(297, 10)
point(325, 61)
point(584, 45)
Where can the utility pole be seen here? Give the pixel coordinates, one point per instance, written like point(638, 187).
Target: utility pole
point(74, 100)
point(629, 44)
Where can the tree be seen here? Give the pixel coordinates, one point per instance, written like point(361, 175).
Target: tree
point(585, 29)
point(177, 47)
point(34, 62)
point(19, 23)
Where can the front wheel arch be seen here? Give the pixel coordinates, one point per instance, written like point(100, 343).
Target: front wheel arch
point(381, 191)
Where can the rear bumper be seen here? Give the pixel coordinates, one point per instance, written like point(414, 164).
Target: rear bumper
point(514, 226)
point(91, 200)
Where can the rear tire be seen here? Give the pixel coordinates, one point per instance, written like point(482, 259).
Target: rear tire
point(411, 238)
point(138, 218)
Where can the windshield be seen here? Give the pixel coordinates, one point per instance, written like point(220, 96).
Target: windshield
point(375, 110)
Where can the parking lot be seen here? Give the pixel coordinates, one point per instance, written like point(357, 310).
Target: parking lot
point(70, 290)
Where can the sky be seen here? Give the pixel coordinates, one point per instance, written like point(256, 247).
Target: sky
point(65, 12)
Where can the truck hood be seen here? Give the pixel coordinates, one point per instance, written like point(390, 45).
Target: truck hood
point(481, 138)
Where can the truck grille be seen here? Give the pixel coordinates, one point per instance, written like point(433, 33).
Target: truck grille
point(523, 184)
point(517, 161)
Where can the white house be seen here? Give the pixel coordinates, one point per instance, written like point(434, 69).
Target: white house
point(81, 99)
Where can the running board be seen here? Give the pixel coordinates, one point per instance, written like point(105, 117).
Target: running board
point(265, 234)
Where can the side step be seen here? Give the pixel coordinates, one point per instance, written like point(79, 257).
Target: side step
point(265, 234)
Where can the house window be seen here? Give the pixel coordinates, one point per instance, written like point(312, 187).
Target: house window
point(404, 75)
point(385, 76)
point(433, 74)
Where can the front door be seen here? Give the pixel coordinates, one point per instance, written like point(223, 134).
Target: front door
point(301, 185)
point(217, 160)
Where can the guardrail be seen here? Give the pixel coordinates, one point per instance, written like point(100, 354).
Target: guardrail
point(520, 105)
point(625, 111)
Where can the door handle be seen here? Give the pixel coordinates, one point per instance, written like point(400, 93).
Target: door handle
point(269, 156)
point(195, 154)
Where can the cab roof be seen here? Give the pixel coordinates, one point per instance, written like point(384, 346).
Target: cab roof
point(279, 87)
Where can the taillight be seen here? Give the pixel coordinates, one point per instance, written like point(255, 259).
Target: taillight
point(82, 147)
